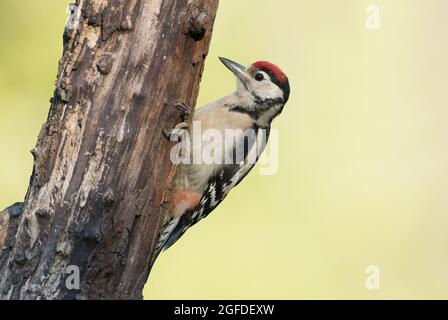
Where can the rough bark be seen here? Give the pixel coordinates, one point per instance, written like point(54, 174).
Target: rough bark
point(102, 174)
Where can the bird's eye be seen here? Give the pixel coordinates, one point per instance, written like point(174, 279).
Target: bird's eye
point(259, 77)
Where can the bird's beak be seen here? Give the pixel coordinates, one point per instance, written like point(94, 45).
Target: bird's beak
point(236, 68)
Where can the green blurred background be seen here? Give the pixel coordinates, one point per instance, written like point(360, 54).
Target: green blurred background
point(363, 163)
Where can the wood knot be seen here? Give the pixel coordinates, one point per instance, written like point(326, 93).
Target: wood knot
point(63, 94)
point(20, 257)
point(42, 213)
point(199, 22)
point(109, 198)
point(35, 153)
point(105, 64)
point(126, 24)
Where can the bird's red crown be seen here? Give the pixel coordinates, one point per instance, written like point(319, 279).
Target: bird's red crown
point(271, 69)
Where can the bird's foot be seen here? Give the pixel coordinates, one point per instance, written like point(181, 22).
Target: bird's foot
point(177, 132)
point(185, 111)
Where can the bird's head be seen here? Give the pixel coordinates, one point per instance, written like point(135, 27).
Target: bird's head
point(263, 81)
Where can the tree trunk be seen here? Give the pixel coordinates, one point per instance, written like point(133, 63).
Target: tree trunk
point(102, 172)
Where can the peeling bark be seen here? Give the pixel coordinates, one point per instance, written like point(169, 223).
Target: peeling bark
point(4, 225)
point(102, 175)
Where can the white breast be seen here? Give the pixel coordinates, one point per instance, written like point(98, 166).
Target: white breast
point(214, 117)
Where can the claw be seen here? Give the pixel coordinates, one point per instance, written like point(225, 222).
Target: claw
point(182, 125)
point(167, 133)
point(176, 133)
point(184, 110)
point(182, 107)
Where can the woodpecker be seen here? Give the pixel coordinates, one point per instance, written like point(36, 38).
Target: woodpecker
point(261, 93)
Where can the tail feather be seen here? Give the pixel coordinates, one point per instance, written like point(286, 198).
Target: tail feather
point(167, 229)
point(177, 231)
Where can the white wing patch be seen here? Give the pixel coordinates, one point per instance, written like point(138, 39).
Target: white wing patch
point(212, 189)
